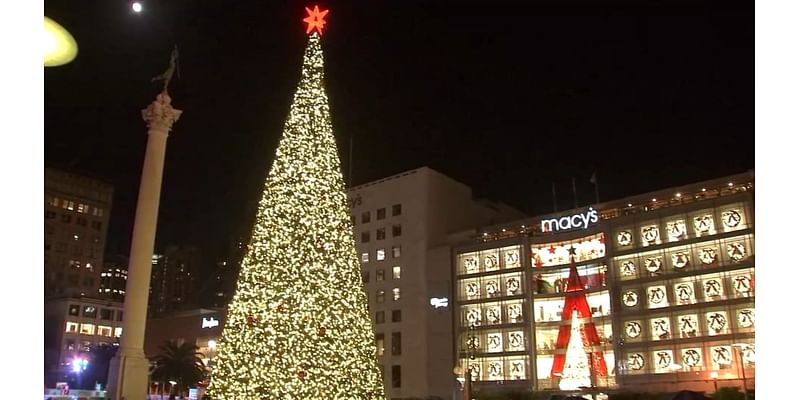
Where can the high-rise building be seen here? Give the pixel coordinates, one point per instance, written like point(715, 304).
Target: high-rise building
point(114, 277)
point(218, 288)
point(659, 287)
point(398, 221)
point(76, 215)
point(172, 282)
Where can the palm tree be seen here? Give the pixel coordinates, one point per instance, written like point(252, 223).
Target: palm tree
point(179, 362)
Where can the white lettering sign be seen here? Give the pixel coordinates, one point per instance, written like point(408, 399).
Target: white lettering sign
point(210, 322)
point(581, 220)
point(439, 303)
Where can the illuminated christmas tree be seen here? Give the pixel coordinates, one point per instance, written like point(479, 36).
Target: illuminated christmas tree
point(576, 373)
point(298, 325)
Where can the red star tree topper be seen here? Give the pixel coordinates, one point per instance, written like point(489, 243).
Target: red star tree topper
point(315, 19)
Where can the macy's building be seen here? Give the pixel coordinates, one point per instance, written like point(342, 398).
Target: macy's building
point(651, 292)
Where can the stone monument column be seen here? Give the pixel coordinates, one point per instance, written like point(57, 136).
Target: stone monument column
point(128, 370)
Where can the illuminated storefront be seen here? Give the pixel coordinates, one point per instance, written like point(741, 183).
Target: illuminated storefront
point(645, 291)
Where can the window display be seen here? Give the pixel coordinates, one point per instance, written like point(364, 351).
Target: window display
point(494, 342)
point(584, 249)
point(492, 288)
point(472, 289)
point(493, 315)
point(495, 370)
point(627, 268)
point(721, 356)
point(624, 238)
point(684, 292)
point(513, 285)
point(657, 296)
point(650, 235)
point(470, 264)
point(688, 325)
point(742, 283)
point(736, 251)
point(707, 255)
point(512, 258)
point(633, 329)
point(732, 219)
point(712, 288)
point(473, 316)
point(653, 264)
point(749, 354)
point(659, 327)
point(704, 225)
point(490, 262)
point(555, 281)
point(680, 260)
point(514, 312)
point(746, 317)
point(636, 361)
point(717, 323)
point(517, 369)
point(516, 341)
point(630, 298)
point(676, 230)
point(662, 359)
point(692, 357)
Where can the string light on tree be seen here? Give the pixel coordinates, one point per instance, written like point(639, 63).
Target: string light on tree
point(298, 325)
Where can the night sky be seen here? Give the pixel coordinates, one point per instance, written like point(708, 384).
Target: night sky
point(506, 97)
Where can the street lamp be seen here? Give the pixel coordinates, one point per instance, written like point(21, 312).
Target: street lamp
point(741, 347)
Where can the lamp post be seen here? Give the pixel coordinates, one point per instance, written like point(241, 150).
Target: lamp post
point(741, 347)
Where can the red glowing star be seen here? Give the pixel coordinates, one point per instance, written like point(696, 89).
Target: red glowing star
point(315, 19)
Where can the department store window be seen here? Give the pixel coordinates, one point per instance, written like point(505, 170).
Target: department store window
point(365, 217)
point(397, 209)
point(87, 329)
point(703, 223)
point(380, 234)
point(103, 330)
point(381, 213)
point(72, 327)
point(118, 332)
point(397, 230)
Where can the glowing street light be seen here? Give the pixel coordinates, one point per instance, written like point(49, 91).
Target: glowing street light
point(79, 364)
point(136, 7)
point(59, 46)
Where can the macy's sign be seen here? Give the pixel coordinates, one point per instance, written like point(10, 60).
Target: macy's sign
point(581, 220)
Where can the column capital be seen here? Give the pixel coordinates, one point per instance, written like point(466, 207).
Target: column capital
point(160, 115)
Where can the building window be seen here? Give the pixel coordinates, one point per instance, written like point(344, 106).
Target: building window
point(396, 272)
point(69, 205)
point(379, 317)
point(397, 209)
point(50, 215)
point(87, 329)
point(380, 234)
point(380, 275)
point(53, 201)
point(364, 257)
point(397, 315)
point(380, 296)
point(80, 221)
point(118, 330)
point(381, 214)
point(72, 327)
point(379, 343)
point(397, 347)
point(74, 309)
point(83, 208)
point(365, 237)
point(66, 218)
point(86, 345)
point(397, 230)
point(107, 314)
point(97, 212)
point(365, 277)
point(97, 225)
point(90, 311)
point(119, 313)
point(395, 251)
point(380, 254)
point(396, 294)
point(103, 330)
point(69, 345)
point(365, 217)
point(396, 378)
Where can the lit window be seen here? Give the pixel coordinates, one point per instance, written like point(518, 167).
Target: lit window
point(117, 331)
point(90, 311)
point(396, 272)
point(380, 296)
point(53, 201)
point(83, 208)
point(69, 205)
point(396, 294)
point(380, 275)
point(397, 209)
point(74, 309)
point(395, 251)
point(87, 329)
point(103, 330)
point(397, 230)
point(380, 255)
point(364, 257)
point(72, 327)
point(379, 343)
